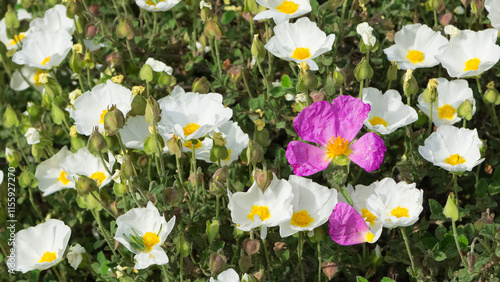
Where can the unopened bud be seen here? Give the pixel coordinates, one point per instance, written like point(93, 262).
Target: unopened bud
point(221, 174)
point(392, 72)
point(13, 157)
point(258, 50)
point(201, 85)
point(477, 6)
point(174, 146)
point(410, 84)
point(97, 144)
point(11, 21)
point(91, 30)
point(85, 185)
point(120, 189)
point(363, 70)
point(74, 8)
point(127, 169)
point(255, 153)
point(217, 262)
point(310, 80)
point(212, 230)
point(94, 9)
point(434, 5)
point(450, 210)
point(113, 120)
point(211, 29)
point(263, 178)
point(251, 246)
point(28, 179)
point(152, 113)
point(146, 73)
point(491, 95)
point(166, 80)
point(124, 29)
point(465, 110)
point(338, 77)
point(10, 118)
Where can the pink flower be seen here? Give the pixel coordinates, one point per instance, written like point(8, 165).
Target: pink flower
point(334, 127)
point(347, 227)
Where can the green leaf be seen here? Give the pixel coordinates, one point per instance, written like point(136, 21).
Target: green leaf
point(494, 189)
point(482, 188)
point(387, 279)
point(436, 210)
point(496, 175)
point(227, 17)
point(285, 81)
point(440, 256)
point(360, 279)
point(277, 92)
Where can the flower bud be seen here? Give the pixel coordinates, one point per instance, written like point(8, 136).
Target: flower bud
point(310, 80)
point(91, 30)
point(211, 29)
point(152, 113)
point(146, 73)
point(28, 179)
point(450, 210)
point(465, 110)
point(410, 84)
point(251, 246)
point(218, 153)
point(52, 87)
point(392, 72)
point(94, 10)
point(26, 3)
point(491, 95)
point(262, 137)
point(477, 6)
point(258, 50)
point(88, 60)
point(85, 185)
point(120, 189)
point(58, 115)
point(74, 8)
point(201, 85)
point(174, 146)
point(10, 118)
point(212, 230)
point(338, 77)
point(221, 174)
point(434, 5)
point(255, 153)
point(217, 262)
point(363, 70)
point(13, 157)
point(11, 21)
point(127, 169)
point(166, 80)
point(114, 60)
point(77, 143)
point(97, 144)
point(113, 120)
point(263, 178)
point(124, 29)
point(174, 195)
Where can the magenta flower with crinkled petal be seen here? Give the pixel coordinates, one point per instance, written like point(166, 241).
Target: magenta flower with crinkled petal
point(334, 127)
point(347, 227)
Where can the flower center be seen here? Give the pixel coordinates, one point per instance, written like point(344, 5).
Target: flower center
point(378, 120)
point(154, 2)
point(454, 159)
point(400, 212)
point(17, 38)
point(261, 211)
point(446, 112)
point(301, 53)
point(150, 239)
point(472, 64)
point(287, 7)
point(190, 128)
point(369, 237)
point(368, 216)
point(415, 56)
point(99, 177)
point(45, 61)
point(337, 146)
point(48, 257)
point(189, 145)
point(301, 219)
point(102, 116)
point(63, 177)
point(36, 78)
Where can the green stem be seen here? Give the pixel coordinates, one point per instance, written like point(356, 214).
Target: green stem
point(89, 81)
point(59, 277)
point(318, 244)
point(194, 170)
point(16, 136)
point(343, 192)
point(246, 85)
point(300, 249)
point(408, 250)
point(430, 119)
point(479, 86)
point(105, 164)
point(165, 272)
point(257, 60)
point(268, 261)
point(495, 118)
point(110, 212)
point(361, 88)
point(455, 235)
point(116, 8)
point(122, 146)
point(390, 84)
point(130, 52)
point(155, 24)
point(435, 20)
point(35, 206)
point(104, 231)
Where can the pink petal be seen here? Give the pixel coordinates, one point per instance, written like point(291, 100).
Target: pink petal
point(306, 159)
point(316, 123)
point(351, 113)
point(368, 151)
point(346, 226)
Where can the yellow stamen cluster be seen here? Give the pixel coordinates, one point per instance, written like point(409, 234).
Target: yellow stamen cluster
point(261, 211)
point(287, 7)
point(446, 112)
point(190, 128)
point(48, 257)
point(63, 177)
point(337, 146)
point(378, 120)
point(301, 219)
point(368, 216)
point(150, 239)
point(454, 159)
point(472, 64)
point(415, 56)
point(400, 212)
point(99, 177)
point(301, 53)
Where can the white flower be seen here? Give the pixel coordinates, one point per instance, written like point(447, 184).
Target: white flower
point(13, 43)
point(450, 95)
point(150, 227)
point(416, 45)
point(86, 164)
point(470, 53)
point(135, 132)
point(55, 19)
point(192, 115)
point(388, 112)
point(74, 255)
point(365, 30)
point(9, 152)
point(493, 8)
point(201, 48)
point(32, 75)
point(51, 176)
point(156, 5)
point(451, 30)
point(44, 49)
point(283, 10)
point(42, 246)
point(301, 41)
point(159, 66)
point(253, 208)
point(398, 204)
point(312, 206)
point(359, 197)
point(227, 276)
point(32, 136)
point(454, 149)
point(91, 106)
point(205, 4)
